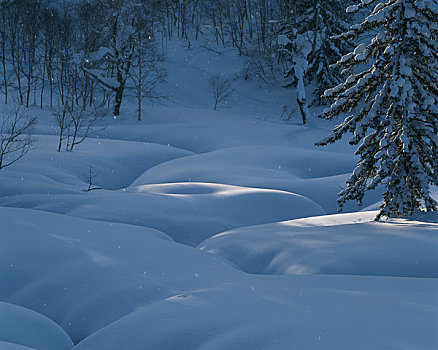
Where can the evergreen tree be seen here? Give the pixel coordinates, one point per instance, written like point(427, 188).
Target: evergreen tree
point(393, 105)
point(305, 47)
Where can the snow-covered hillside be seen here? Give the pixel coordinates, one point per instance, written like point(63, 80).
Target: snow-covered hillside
point(208, 230)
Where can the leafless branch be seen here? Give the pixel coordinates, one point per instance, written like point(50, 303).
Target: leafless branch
point(16, 138)
point(221, 89)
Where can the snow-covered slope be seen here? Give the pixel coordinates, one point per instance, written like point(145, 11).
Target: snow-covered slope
point(85, 274)
point(119, 286)
point(30, 329)
point(295, 312)
point(343, 244)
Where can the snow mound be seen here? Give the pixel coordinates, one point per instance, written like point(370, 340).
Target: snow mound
point(315, 174)
point(347, 244)
point(291, 163)
point(193, 212)
point(23, 328)
point(188, 212)
point(114, 164)
point(287, 312)
point(4, 345)
point(85, 275)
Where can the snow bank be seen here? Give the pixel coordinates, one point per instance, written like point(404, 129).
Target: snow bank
point(12, 346)
point(84, 274)
point(23, 328)
point(311, 173)
point(343, 244)
point(276, 161)
point(57, 182)
point(188, 212)
point(115, 164)
point(192, 212)
point(283, 312)
point(114, 286)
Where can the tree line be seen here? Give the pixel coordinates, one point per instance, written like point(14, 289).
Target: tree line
point(63, 52)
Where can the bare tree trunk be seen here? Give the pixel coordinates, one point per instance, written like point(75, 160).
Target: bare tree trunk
point(119, 92)
point(61, 82)
point(17, 73)
point(29, 83)
point(3, 38)
point(50, 75)
point(139, 85)
point(61, 135)
point(5, 74)
point(139, 106)
point(302, 111)
point(19, 85)
point(43, 77)
point(118, 99)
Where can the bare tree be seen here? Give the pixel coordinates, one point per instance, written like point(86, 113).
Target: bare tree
point(90, 176)
point(221, 89)
point(117, 52)
point(76, 123)
point(146, 74)
point(4, 38)
point(16, 138)
point(29, 45)
point(261, 41)
point(215, 11)
point(82, 122)
point(236, 14)
point(50, 27)
point(62, 122)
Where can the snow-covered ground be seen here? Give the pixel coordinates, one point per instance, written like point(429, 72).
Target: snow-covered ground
point(209, 230)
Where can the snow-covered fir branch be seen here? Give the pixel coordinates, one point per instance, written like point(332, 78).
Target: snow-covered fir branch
point(391, 105)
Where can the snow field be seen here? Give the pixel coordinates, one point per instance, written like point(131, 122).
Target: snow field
point(209, 232)
point(111, 286)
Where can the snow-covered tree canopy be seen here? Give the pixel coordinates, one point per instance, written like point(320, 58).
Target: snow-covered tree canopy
point(391, 104)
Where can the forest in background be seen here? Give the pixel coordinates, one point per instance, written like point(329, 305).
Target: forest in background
point(60, 53)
